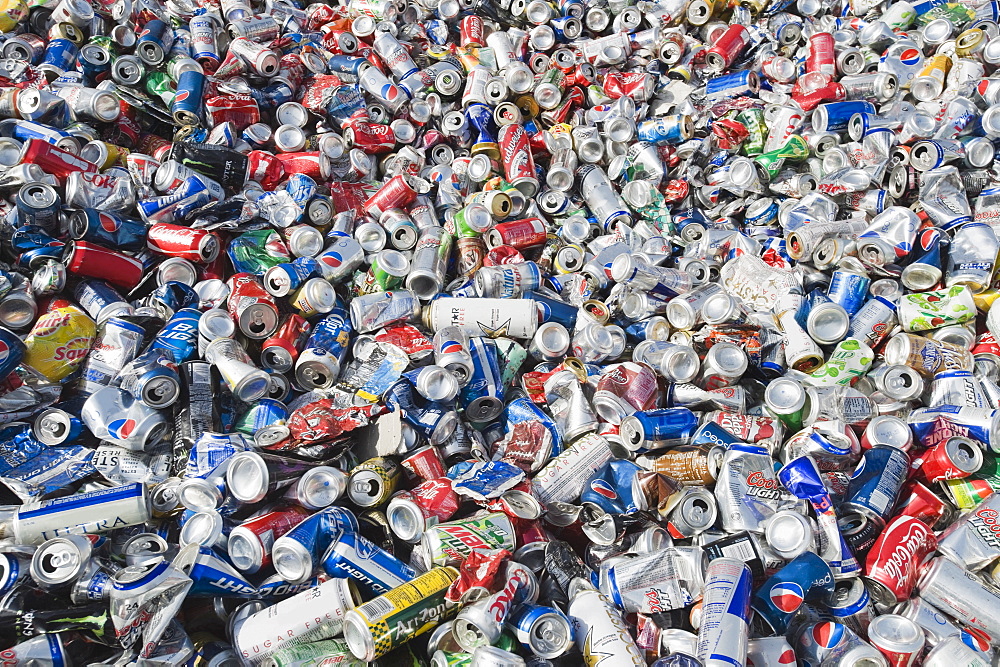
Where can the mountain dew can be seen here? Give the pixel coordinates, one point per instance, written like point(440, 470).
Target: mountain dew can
point(450, 543)
point(327, 652)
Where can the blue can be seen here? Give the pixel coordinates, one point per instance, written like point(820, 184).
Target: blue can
point(180, 334)
point(559, 28)
point(214, 577)
point(345, 64)
point(285, 278)
point(332, 333)
point(96, 295)
point(553, 310)
point(643, 329)
point(876, 482)
point(807, 577)
point(274, 94)
point(735, 84)
point(656, 429)
point(544, 631)
point(849, 289)
point(262, 414)
point(835, 116)
point(301, 188)
point(297, 553)
point(172, 296)
point(482, 396)
point(187, 103)
point(12, 351)
point(353, 556)
point(613, 488)
point(60, 54)
point(673, 129)
point(171, 206)
point(107, 229)
point(154, 42)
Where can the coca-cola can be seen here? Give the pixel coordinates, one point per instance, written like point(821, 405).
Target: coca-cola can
point(195, 245)
point(893, 564)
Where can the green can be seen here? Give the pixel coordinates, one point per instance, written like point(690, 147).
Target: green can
point(849, 360)
point(394, 618)
point(387, 271)
point(449, 543)
point(471, 221)
point(325, 652)
point(753, 120)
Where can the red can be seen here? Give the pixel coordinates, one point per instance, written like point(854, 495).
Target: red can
point(831, 92)
point(251, 307)
point(521, 234)
point(318, 15)
point(728, 47)
point(637, 85)
point(921, 503)
point(954, 458)
point(251, 541)
point(748, 428)
point(280, 351)
point(94, 261)
point(238, 109)
point(194, 245)
point(518, 163)
point(265, 168)
point(313, 164)
point(395, 193)
point(821, 57)
point(503, 254)
point(372, 138)
point(54, 160)
point(425, 463)
point(893, 564)
point(471, 31)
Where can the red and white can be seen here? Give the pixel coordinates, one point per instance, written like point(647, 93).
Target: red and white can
point(93, 261)
point(821, 57)
point(518, 163)
point(195, 245)
point(893, 564)
point(728, 47)
point(520, 234)
point(395, 193)
point(425, 463)
point(471, 31)
point(54, 160)
point(637, 85)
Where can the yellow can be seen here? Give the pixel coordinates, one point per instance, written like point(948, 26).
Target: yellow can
point(12, 12)
point(59, 342)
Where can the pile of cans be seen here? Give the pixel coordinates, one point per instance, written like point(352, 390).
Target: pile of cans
point(499, 333)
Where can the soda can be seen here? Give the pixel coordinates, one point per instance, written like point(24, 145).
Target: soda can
point(898, 638)
point(959, 594)
point(312, 615)
point(877, 481)
point(376, 627)
point(297, 553)
point(724, 630)
point(891, 569)
point(545, 631)
point(600, 627)
point(352, 556)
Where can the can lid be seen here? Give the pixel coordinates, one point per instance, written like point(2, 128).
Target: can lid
point(788, 533)
point(60, 560)
point(245, 550)
point(203, 528)
point(247, 476)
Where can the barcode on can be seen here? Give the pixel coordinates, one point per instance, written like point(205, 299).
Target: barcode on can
point(377, 608)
